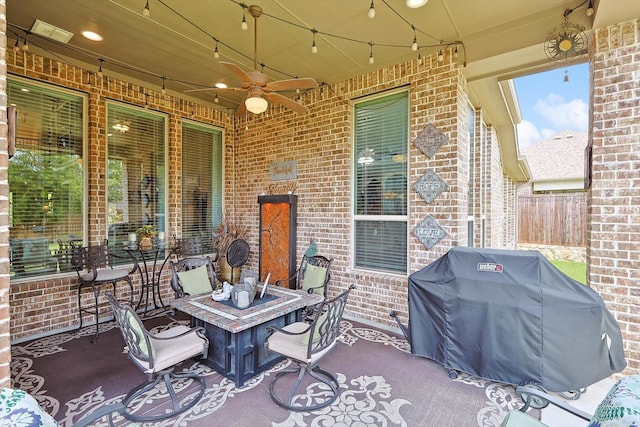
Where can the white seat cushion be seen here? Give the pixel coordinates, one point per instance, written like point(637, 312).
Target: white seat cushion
point(170, 352)
point(292, 345)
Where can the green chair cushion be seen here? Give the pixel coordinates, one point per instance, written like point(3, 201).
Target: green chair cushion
point(314, 277)
point(195, 281)
point(137, 328)
point(316, 333)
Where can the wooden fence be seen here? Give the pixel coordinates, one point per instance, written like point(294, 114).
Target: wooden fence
point(553, 219)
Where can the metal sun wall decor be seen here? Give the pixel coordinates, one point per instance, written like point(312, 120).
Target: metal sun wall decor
point(429, 140)
point(430, 186)
point(429, 232)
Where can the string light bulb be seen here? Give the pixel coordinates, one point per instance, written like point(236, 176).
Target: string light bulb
point(414, 44)
point(216, 100)
point(372, 11)
point(100, 67)
point(440, 56)
point(314, 48)
point(146, 12)
point(371, 53)
point(216, 54)
point(455, 52)
point(16, 47)
point(590, 8)
point(25, 44)
point(164, 89)
point(244, 24)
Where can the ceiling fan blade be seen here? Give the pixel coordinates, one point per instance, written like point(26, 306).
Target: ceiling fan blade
point(289, 103)
point(245, 77)
point(290, 84)
point(217, 89)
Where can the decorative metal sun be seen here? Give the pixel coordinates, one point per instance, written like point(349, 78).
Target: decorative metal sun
point(565, 42)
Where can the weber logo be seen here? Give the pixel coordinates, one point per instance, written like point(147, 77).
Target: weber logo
point(489, 266)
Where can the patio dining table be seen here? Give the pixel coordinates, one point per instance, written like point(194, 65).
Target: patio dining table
point(237, 336)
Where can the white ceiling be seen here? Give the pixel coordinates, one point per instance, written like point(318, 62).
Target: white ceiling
point(499, 38)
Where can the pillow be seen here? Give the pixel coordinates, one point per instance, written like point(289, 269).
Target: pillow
point(314, 277)
point(195, 281)
point(137, 329)
point(316, 332)
point(17, 408)
point(621, 406)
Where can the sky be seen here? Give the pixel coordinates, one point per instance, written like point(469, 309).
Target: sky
point(549, 105)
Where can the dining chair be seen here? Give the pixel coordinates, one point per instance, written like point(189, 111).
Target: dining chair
point(312, 275)
point(157, 355)
point(95, 269)
point(192, 276)
point(306, 345)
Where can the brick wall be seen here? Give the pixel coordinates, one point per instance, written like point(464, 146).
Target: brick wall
point(613, 230)
point(321, 144)
point(50, 304)
point(5, 355)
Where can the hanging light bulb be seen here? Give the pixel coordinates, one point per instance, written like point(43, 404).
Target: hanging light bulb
point(216, 100)
point(372, 11)
point(590, 8)
point(25, 44)
point(414, 44)
point(419, 58)
point(146, 12)
point(371, 53)
point(100, 67)
point(440, 56)
point(455, 52)
point(314, 48)
point(16, 47)
point(164, 89)
point(216, 54)
point(244, 24)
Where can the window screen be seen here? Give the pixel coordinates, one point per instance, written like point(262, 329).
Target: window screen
point(201, 179)
point(380, 162)
point(136, 171)
point(46, 185)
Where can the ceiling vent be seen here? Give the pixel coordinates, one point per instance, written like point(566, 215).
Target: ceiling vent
point(52, 32)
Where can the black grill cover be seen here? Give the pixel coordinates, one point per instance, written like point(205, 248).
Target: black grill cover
point(512, 317)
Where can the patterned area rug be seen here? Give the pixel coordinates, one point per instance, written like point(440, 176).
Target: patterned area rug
point(381, 384)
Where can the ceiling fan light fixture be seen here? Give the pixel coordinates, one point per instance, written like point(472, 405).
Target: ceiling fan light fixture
point(414, 4)
point(255, 103)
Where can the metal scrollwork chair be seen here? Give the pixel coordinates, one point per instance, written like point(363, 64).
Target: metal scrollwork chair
point(156, 355)
point(305, 345)
point(94, 266)
point(312, 276)
point(192, 276)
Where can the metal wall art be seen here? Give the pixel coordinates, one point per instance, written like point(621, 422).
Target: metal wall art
point(429, 140)
point(430, 185)
point(429, 232)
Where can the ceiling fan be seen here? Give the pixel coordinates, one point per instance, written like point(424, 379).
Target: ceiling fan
point(259, 87)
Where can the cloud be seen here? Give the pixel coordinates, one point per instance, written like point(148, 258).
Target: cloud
point(563, 115)
point(528, 135)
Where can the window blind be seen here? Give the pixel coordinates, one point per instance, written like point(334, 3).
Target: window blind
point(380, 163)
point(201, 179)
point(136, 187)
point(46, 186)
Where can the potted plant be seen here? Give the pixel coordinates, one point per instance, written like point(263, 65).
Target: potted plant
point(224, 234)
point(146, 233)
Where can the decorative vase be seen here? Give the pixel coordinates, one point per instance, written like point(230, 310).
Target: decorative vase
point(228, 274)
point(146, 242)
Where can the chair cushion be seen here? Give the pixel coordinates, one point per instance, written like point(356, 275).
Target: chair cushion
point(18, 408)
point(195, 281)
point(314, 277)
point(291, 345)
point(106, 275)
point(169, 352)
point(621, 406)
point(520, 419)
point(137, 328)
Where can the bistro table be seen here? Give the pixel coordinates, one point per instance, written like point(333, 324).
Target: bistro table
point(150, 279)
point(237, 336)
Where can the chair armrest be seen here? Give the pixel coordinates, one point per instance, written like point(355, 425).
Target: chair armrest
point(281, 281)
point(101, 412)
point(199, 330)
point(273, 329)
point(534, 397)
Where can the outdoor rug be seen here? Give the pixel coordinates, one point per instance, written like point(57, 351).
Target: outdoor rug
point(381, 384)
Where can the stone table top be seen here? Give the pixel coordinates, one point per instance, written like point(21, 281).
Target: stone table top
point(235, 320)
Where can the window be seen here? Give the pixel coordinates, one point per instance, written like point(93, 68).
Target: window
point(135, 171)
point(46, 184)
point(380, 171)
point(201, 179)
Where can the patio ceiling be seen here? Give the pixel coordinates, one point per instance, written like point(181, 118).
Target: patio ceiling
point(175, 44)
